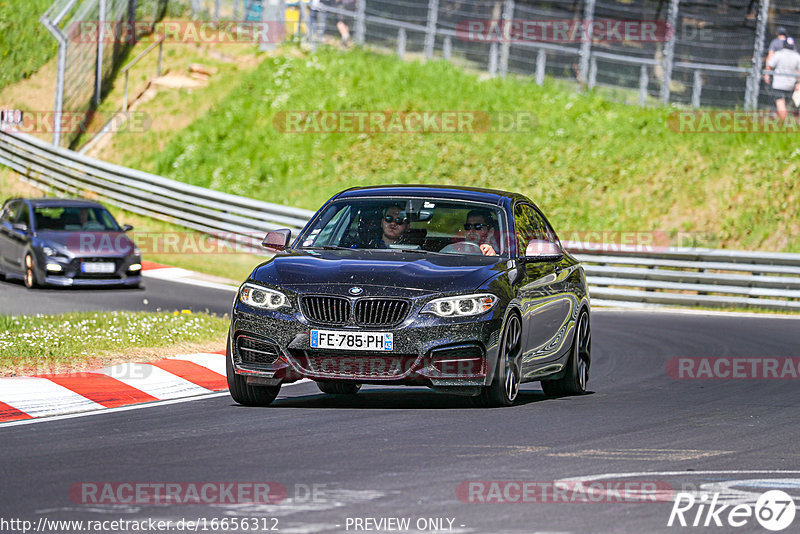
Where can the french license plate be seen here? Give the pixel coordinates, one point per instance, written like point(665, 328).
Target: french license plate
point(98, 267)
point(330, 339)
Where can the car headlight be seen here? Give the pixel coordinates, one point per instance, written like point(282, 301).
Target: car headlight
point(48, 251)
point(261, 297)
point(461, 306)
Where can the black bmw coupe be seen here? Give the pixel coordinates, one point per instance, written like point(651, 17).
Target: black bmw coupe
point(463, 290)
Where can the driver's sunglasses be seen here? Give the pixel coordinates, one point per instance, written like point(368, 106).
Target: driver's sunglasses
point(397, 220)
point(477, 226)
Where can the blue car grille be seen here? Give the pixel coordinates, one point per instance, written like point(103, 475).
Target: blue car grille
point(326, 310)
point(339, 311)
point(381, 312)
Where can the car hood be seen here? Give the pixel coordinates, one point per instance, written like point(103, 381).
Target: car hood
point(391, 269)
point(89, 243)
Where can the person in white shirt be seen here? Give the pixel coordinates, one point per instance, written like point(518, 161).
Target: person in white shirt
point(785, 64)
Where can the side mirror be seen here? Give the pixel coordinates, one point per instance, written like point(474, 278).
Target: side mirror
point(126, 228)
point(542, 250)
point(277, 239)
point(20, 227)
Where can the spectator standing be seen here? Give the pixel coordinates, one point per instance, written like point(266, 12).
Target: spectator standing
point(786, 65)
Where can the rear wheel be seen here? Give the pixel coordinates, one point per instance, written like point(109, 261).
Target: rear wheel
point(338, 388)
point(30, 272)
point(505, 384)
point(576, 375)
point(246, 394)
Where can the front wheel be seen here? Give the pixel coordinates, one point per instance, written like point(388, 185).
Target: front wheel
point(30, 272)
point(576, 375)
point(505, 384)
point(338, 388)
point(246, 394)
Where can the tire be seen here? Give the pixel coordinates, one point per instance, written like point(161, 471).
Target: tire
point(339, 388)
point(505, 384)
point(576, 376)
point(243, 393)
point(30, 272)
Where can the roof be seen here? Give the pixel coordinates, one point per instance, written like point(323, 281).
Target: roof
point(493, 196)
point(63, 202)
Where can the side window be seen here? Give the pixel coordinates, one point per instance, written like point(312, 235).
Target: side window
point(524, 219)
point(10, 212)
point(24, 215)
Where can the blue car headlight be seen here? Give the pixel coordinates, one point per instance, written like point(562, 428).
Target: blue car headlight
point(262, 297)
point(461, 305)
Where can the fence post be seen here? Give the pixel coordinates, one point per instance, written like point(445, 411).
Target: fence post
point(493, 59)
point(541, 59)
point(697, 88)
point(669, 51)
point(508, 17)
point(430, 30)
point(447, 48)
point(361, 21)
point(643, 85)
point(216, 9)
point(592, 72)
point(401, 43)
point(586, 40)
point(272, 14)
point(754, 79)
point(236, 10)
point(61, 65)
point(98, 73)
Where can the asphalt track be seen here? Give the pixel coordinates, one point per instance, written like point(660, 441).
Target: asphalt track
point(402, 453)
point(155, 295)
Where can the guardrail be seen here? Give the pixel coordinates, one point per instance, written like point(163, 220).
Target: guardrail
point(228, 217)
point(617, 276)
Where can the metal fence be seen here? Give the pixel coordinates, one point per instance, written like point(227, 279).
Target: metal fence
point(671, 276)
point(86, 65)
point(713, 56)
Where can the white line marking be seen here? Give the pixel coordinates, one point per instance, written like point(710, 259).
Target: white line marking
point(50, 398)
point(689, 311)
point(182, 276)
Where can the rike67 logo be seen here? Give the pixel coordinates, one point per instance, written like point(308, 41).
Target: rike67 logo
point(774, 510)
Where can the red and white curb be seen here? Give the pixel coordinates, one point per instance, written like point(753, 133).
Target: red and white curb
point(181, 376)
point(183, 276)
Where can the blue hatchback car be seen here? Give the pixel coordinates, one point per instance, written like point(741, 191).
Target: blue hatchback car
point(65, 242)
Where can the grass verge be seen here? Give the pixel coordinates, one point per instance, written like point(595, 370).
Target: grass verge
point(25, 44)
point(88, 340)
point(591, 164)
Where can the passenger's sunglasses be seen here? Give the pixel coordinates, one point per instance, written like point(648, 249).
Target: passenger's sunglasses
point(397, 220)
point(477, 226)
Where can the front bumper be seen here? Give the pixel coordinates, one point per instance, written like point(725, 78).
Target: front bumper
point(274, 347)
point(67, 271)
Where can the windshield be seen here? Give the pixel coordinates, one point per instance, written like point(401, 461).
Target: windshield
point(75, 218)
point(410, 224)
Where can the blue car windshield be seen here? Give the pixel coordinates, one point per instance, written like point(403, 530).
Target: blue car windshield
point(406, 224)
point(74, 219)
